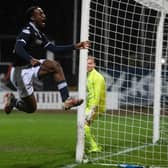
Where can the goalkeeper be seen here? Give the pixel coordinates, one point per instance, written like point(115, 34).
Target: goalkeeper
point(95, 102)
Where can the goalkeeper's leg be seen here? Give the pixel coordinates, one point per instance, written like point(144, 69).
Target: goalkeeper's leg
point(91, 143)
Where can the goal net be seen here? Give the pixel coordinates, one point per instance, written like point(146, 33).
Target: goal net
point(129, 40)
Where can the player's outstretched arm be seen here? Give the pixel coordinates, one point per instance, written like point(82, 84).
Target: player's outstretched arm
point(82, 45)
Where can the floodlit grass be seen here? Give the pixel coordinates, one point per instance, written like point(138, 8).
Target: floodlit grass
point(48, 140)
point(39, 140)
point(128, 139)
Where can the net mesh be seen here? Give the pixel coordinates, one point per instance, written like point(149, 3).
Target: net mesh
point(123, 34)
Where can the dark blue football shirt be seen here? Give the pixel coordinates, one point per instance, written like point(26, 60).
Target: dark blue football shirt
point(30, 42)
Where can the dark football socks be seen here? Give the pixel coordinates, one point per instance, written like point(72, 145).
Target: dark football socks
point(63, 88)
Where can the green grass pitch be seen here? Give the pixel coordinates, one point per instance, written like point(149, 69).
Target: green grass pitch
point(38, 140)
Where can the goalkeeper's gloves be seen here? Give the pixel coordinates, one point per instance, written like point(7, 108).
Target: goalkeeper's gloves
point(90, 115)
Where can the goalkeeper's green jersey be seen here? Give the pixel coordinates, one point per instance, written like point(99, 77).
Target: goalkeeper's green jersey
point(96, 91)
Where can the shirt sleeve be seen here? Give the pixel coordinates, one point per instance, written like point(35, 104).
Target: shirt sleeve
point(21, 41)
point(47, 44)
point(95, 85)
point(97, 89)
point(59, 48)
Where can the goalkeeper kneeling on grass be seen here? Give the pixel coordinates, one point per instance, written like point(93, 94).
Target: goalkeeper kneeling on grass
point(95, 103)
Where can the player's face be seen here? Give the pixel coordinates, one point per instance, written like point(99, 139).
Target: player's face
point(90, 65)
point(39, 17)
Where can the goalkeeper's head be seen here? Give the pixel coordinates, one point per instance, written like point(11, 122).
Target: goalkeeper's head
point(90, 63)
point(36, 15)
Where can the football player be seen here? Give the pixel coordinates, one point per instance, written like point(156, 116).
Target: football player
point(28, 66)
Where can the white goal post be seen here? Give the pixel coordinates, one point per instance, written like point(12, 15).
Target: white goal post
point(129, 40)
point(82, 82)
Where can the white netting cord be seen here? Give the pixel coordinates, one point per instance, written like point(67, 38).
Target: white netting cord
point(159, 5)
point(124, 35)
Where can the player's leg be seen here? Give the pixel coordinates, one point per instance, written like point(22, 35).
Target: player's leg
point(55, 68)
point(27, 104)
point(22, 79)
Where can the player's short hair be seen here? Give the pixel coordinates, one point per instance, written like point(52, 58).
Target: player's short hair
point(29, 13)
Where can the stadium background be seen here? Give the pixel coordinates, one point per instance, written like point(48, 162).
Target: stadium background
point(60, 28)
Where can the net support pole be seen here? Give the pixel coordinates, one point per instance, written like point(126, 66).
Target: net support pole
point(84, 33)
point(74, 36)
point(106, 32)
point(157, 79)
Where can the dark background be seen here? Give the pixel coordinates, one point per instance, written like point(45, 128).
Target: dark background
point(59, 27)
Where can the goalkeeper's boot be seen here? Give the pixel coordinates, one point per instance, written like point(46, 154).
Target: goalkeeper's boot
point(95, 149)
point(8, 100)
point(72, 102)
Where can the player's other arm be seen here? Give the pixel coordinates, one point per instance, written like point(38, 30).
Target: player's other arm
point(22, 53)
point(21, 42)
point(20, 50)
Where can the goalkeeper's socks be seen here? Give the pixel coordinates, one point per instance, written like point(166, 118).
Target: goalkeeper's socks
point(63, 88)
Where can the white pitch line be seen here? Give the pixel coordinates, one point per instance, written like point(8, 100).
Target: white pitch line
point(132, 149)
point(70, 165)
point(125, 151)
point(115, 154)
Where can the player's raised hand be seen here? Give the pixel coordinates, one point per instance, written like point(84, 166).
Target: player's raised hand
point(82, 45)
